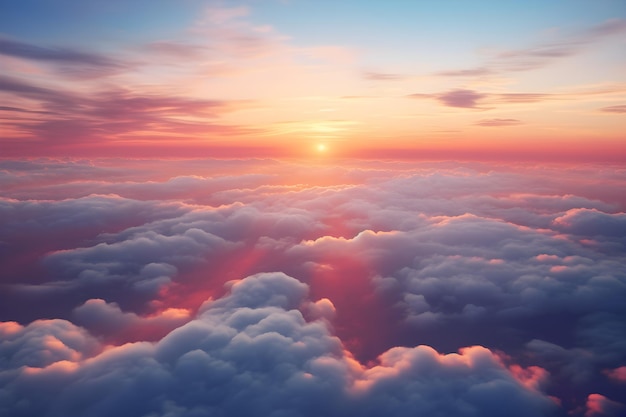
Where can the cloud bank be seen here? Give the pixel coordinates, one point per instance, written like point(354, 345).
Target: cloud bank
point(205, 288)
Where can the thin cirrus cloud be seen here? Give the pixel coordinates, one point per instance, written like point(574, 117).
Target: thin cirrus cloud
point(174, 49)
point(619, 109)
point(229, 34)
point(71, 117)
point(542, 54)
point(498, 122)
point(222, 42)
point(470, 72)
point(472, 99)
point(279, 282)
point(382, 76)
point(72, 62)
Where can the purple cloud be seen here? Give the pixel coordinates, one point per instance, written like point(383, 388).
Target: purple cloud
point(94, 117)
point(74, 61)
point(174, 49)
point(608, 28)
point(20, 110)
point(24, 50)
point(461, 98)
point(471, 99)
point(535, 57)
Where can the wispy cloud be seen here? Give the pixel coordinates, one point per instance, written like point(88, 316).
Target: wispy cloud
point(498, 122)
point(523, 97)
point(619, 109)
point(174, 49)
point(50, 97)
point(533, 57)
point(472, 99)
point(228, 33)
point(74, 117)
point(608, 28)
point(20, 110)
point(542, 54)
point(382, 76)
point(470, 72)
point(73, 61)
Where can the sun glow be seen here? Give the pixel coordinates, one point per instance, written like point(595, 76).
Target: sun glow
point(321, 147)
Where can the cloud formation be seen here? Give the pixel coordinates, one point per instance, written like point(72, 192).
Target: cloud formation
point(68, 117)
point(542, 54)
point(393, 288)
point(462, 98)
point(252, 352)
point(382, 76)
point(70, 61)
point(619, 109)
point(498, 122)
point(472, 99)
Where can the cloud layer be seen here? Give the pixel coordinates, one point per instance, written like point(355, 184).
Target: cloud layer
point(371, 289)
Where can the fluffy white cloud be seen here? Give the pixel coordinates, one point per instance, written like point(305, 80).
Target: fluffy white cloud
point(251, 353)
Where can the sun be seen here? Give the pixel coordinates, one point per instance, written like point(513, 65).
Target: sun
point(321, 147)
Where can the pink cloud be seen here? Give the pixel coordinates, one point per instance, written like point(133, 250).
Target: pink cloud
point(619, 109)
point(460, 98)
point(617, 374)
point(88, 118)
point(600, 406)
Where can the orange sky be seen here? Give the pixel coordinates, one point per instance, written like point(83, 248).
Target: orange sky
point(239, 79)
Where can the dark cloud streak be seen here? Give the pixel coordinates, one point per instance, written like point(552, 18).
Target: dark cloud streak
point(113, 113)
point(71, 61)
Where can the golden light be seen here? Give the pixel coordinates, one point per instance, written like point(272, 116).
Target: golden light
point(321, 147)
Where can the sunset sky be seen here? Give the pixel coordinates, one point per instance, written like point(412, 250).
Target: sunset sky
point(419, 79)
point(300, 208)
